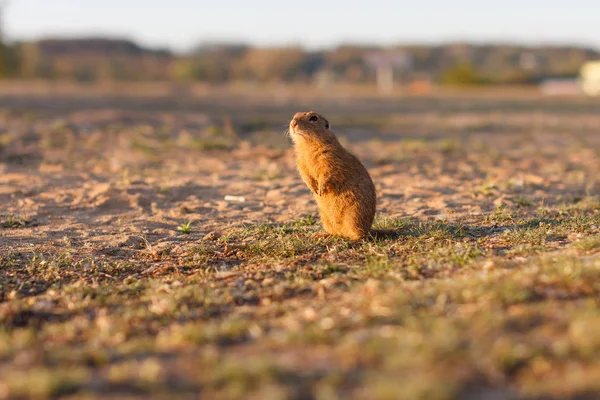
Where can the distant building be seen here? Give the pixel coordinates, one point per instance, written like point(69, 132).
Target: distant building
point(325, 78)
point(589, 78)
point(386, 63)
point(529, 61)
point(560, 87)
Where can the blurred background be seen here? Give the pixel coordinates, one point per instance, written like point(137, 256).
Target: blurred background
point(417, 48)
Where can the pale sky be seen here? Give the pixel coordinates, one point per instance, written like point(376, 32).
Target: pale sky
point(180, 24)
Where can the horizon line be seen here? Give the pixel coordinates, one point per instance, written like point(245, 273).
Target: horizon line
point(526, 43)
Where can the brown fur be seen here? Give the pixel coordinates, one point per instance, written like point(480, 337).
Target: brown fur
point(341, 185)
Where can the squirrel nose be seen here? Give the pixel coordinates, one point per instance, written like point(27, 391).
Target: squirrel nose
point(294, 123)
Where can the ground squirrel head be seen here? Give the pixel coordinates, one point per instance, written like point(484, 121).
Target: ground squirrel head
point(309, 124)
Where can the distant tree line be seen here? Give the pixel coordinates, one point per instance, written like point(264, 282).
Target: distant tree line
point(102, 60)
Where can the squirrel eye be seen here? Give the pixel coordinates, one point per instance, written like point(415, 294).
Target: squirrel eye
point(313, 118)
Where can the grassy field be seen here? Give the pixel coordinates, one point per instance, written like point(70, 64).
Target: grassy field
point(125, 273)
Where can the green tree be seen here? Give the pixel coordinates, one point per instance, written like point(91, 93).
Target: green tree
point(275, 64)
point(200, 68)
point(462, 74)
point(8, 56)
point(9, 64)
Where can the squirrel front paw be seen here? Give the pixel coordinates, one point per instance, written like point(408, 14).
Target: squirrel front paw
point(324, 188)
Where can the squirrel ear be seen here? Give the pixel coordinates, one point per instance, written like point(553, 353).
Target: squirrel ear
point(326, 124)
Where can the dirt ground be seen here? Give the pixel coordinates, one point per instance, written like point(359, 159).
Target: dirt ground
point(127, 269)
